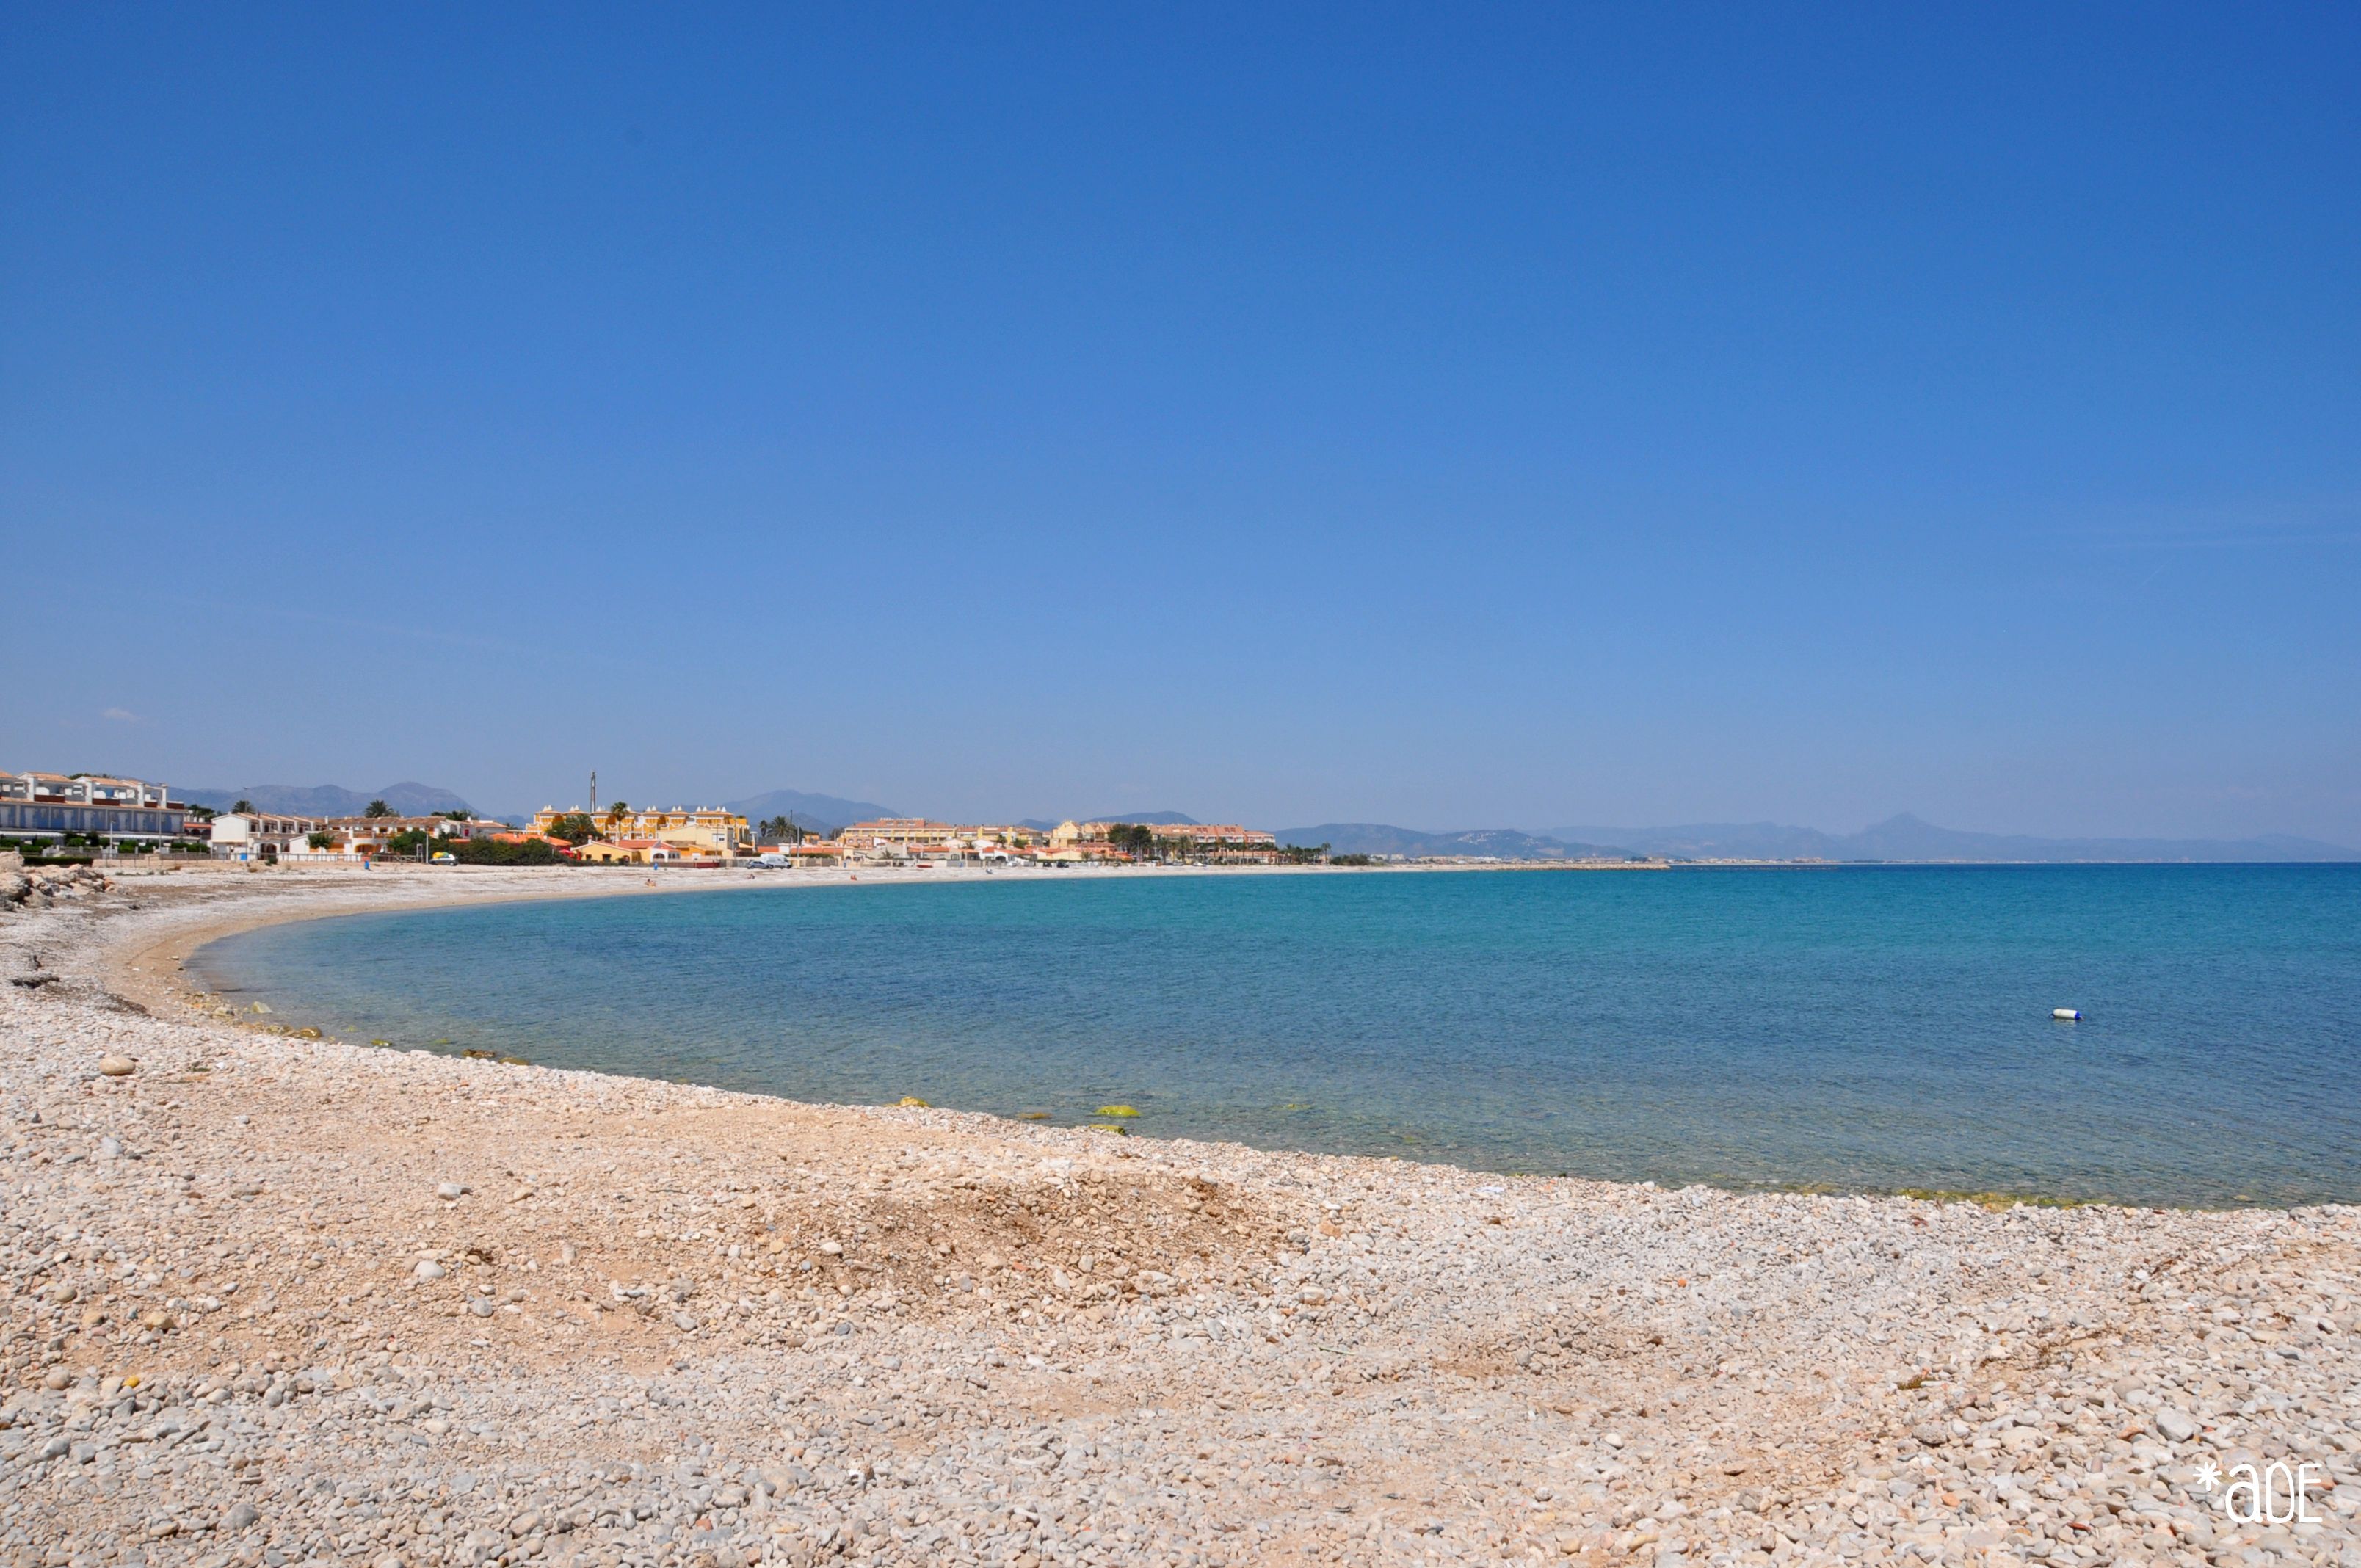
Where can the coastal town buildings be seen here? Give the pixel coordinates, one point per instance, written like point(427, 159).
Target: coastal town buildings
point(1220, 835)
point(104, 810)
point(897, 835)
point(632, 835)
point(92, 805)
point(626, 852)
point(916, 837)
point(1225, 843)
point(1069, 843)
point(261, 835)
point(358, 837)
point(1218, 843)
point(701, 831)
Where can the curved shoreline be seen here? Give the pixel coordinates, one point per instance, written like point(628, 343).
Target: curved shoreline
point(147, 970)
point(144, 971)
point(152, 969)
point(162, 971)
point(513, 1305)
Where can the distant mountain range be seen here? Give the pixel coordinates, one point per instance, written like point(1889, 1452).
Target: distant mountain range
point(408, 799)
point(1907, 837)
point(1903, 838)
point(812, 813)
point(1499, 843)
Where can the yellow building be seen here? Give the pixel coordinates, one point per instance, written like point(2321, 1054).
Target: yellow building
point(1222, 835)
point(901, 835)
point(705, 830)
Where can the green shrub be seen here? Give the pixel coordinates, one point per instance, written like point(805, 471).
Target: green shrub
point(494, 853)
point(574, 827)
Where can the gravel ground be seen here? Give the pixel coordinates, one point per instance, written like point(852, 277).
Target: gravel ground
point(274, 1299)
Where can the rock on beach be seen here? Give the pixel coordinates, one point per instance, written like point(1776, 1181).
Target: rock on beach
point(252, 1319)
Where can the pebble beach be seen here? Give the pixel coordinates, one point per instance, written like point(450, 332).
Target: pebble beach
point(273, 1299)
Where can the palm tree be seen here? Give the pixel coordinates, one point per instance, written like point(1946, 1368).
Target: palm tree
point(617, 814)
point(377, 809)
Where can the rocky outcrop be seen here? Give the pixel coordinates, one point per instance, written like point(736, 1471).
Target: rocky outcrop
point(41, 886)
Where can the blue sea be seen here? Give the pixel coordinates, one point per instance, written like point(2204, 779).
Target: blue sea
point(1879, 1028)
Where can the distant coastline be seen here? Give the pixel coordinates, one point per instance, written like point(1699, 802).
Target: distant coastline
point(1899, 840)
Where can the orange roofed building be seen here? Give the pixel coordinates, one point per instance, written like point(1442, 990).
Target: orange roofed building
point(700, 832)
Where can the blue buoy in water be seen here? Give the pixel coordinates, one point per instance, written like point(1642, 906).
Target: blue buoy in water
point(2067, 1014)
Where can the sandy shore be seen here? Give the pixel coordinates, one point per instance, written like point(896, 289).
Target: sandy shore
point(144, 962)
point(390, 1306)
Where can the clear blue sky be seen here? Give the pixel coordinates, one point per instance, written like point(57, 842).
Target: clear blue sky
point(1451, 417)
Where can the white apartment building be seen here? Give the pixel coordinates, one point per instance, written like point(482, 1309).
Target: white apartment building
point(259, 834)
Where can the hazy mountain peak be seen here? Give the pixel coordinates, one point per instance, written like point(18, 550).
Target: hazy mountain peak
point(408, 798)
point(1495, 843)
point(813, 813)
point(1906, 836)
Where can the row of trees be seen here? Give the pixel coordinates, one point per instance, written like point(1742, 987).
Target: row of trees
point(376, 811)
point(497, 852)
point(410, 841)
point(1142, 842)
point(574, 827)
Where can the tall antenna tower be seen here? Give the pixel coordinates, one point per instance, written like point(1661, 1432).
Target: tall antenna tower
point(593, 791)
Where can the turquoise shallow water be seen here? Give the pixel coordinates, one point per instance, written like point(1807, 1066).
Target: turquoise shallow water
point(1858, 1027)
